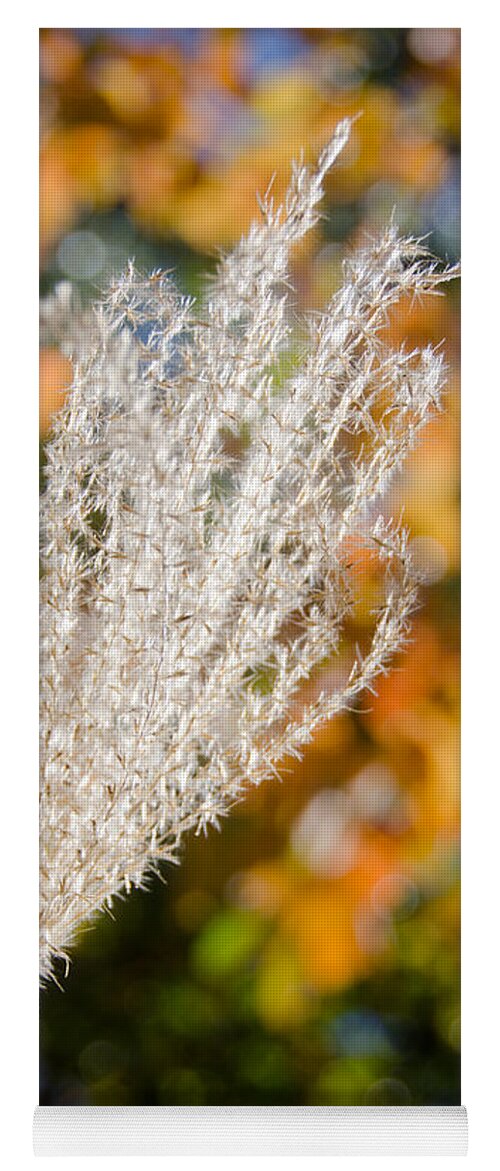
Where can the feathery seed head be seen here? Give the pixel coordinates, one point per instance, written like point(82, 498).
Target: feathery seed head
point(194, 522)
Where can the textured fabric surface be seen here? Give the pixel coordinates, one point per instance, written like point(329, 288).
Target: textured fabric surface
point(247, 1130)
point(250, 555)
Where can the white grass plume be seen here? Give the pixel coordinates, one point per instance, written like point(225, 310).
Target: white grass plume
point(194, 522)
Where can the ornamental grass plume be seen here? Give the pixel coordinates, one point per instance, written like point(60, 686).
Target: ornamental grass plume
point(194, 524)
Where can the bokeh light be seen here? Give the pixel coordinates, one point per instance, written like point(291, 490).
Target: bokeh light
point(309, 953)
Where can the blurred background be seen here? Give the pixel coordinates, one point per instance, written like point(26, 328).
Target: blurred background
point(309, 953)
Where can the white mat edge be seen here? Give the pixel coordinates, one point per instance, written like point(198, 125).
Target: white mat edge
point(250, 1130)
